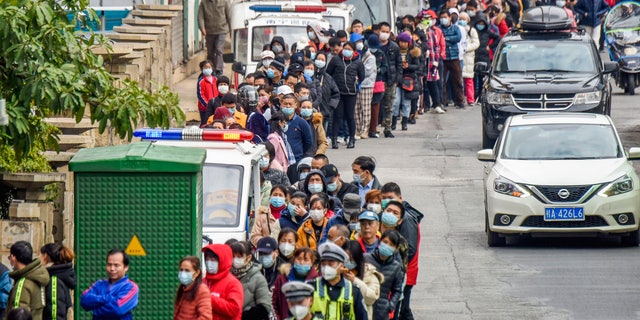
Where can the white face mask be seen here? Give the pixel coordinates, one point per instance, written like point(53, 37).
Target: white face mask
point(299, 312)
point(223, 89)
point(286, 248)
point(375, 207)
point(316, 215)
point(384, 36)
point(238, 263)
point(359, 46)
point(267, 62)
point(329, 273)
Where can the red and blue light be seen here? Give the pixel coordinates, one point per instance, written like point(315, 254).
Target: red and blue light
point(194, 134)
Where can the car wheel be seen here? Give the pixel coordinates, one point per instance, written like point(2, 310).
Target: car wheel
point(487, 142)
point(632, 240)
point(631, 83)
point(493, 238)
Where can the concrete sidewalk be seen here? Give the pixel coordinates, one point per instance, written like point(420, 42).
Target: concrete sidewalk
point(186, 90)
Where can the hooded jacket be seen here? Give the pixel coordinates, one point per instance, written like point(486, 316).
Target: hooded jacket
point(65, 281)
point(410, 230)
point(111, 301)
point(227, 294)
point(413, 58)
point(328, 95)
point(306, 182)
point(257, 298)
point(487, 38)
point(348, 74)
point(278, 300)
point(391, 288)
point(469, 56)
point(32, 291)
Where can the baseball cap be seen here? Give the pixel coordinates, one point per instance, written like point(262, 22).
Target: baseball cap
point(329, 171)
point(284, 89)
point(267, 245)
point(368, 215)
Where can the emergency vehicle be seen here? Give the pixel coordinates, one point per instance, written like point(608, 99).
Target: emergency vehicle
point(230, 176)
point(372, 12)
point(339, 14)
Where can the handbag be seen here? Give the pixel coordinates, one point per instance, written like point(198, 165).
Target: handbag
point(407, 83)
point(378, 87)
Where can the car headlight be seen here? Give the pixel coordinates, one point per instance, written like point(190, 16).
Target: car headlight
point(622, 185)
point(499, 98)
point(510, 188)
point(587, 97)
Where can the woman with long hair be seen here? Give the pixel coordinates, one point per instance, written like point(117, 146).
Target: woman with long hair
point(58, 260)
point(193, 300)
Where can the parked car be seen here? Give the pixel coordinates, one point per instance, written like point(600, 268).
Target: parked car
point(543, 66)
point(560, 174)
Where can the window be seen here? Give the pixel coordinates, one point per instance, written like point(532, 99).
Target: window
point(546, 56)
point(264, 35)
point(242, 38)
point(222, 195)
point(371, 12)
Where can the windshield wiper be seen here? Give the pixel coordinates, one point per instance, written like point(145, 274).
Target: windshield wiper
point(371, 15)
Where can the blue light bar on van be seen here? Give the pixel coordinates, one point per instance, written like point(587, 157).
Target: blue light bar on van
point(194, 134)
point(286, 8)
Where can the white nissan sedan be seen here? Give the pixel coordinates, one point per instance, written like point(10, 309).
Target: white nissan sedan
point(560, 174)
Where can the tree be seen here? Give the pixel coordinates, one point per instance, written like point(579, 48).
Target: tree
point(48, 69)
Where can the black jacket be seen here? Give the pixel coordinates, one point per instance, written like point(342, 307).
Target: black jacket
point(348, 74)
point(395, 63)
point(346, 188)
point(414, 60)
point(482, 54)
point(409, 227)
point(390, 288)
point(66, 280)
point(328, 95)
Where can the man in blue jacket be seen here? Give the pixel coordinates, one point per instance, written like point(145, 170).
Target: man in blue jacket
point(113, 298)
point(451, 61)
point(298, 131)
point(589, 15)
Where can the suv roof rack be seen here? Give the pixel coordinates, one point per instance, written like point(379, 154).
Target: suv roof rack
point(545, 18)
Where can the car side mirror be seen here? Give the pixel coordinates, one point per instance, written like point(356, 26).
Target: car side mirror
point(227, 58)
point(481, 68)
point(486, 155)
point(634, 154)
point(239, 67)
point(610, 67)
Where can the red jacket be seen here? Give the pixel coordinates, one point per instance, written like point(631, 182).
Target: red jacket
point(227, 294)
point(441, 41)
point(279, 302)
point(197, 309)
point(412, 266)
point(207, 90)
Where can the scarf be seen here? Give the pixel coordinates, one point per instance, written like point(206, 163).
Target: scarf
point(239, 273)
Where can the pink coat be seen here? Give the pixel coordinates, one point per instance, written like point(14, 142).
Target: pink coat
point(281, 162)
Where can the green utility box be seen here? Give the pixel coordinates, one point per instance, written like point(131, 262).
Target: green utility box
point(145, 199)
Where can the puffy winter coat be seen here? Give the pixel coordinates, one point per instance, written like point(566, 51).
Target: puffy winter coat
point(5, 286)
point(369, 285)
point(319, 136)
point(370, 69)
point(348, 73)
point(257, 297)
point(197, 309)
point(307, 235)
point(487, 38)
point(590, 11)
point(452, 36)
point(278, 300)
point(413, 57)
point(262, 225)
point(227, 294)
point(394, 75)
point(473, 42)
point(65, 278)
point(32, 291)
point(410, 230)
point(391, 288)
point(328, 93)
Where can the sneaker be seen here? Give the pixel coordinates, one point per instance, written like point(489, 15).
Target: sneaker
point(460, 107)
point(358, 137)
point(388, 134)
point(471, 104)
point(340, 140)
point(374, 135)
point(438, 110)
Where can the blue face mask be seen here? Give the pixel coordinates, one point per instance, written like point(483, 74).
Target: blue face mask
point(462, 23)
point(288, 111)
point(315, 187)
point(185, 277)
point(480, 27)
point(232, 110)
point(304, 175)
point(385, 250)
point(385, 202)
point(357, 178)
point(444, 21)
point(263, 162)
point(347, 53)
point(271, 73)
point(277, 202)
point(211, 266)
point(389, 219)
point(285, 128)
point(301, 269)
point(350, 265)
point(331, 187)
point(306, 113)
point(267, 260)
point(312, 55)
point(207, 71)
point(292, 208)
point(309, 73)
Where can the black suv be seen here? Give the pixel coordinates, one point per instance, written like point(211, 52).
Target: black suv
point(543, 66)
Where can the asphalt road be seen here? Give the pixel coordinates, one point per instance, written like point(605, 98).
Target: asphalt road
point(435, 164)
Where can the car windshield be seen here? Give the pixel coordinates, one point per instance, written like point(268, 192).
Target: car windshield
point(221, 190)
point(371, 12)
point(263, 35)
point(545, 56)
point(561, 142)
point(335, 22)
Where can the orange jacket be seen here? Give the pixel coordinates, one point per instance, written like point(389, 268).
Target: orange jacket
point(198, 309)
point(306, 236)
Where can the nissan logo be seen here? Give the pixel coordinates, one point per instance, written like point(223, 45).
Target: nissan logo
point(563, 193)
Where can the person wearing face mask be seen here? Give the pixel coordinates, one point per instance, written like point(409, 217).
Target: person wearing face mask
point(348, 216)
point(278, 126)
point(336, 297)
point(294, 216)
point(310, 231)
point(348, 72)
point(363, 177)
point(299, 298)
point(317, 38)
point(328, 93)
point(390, 219)
point(213, 104)
point(391, 289)
point(409, 227)
point(230, 101)
point(267, 256)
point(452, 69)
point(278, 46)
point(226, 292)
point(207, 89)
point(58, 260)
point(303, 168)
point(275, 72)
point(272, 169)
point(365, 95)
point(319, 142)
point(373, 201)
point(335, 186)
point(394, 75)
point(301, 269)
point(314, 183)
point(266, 57)
point(257, 297)
point(474, 13)
point(488, 43)
point(264, 220)
point(473, 42)
point(193, 301)
point(363, 275)
point(382, 69)
point(299, 134)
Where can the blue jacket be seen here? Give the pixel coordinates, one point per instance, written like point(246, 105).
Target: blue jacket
point(337, 219)
point(590, 11)
point(299, 136)
point(286, 221)
point(5, 286)
point(257, 124)
point(452, 37)
point(111, 301)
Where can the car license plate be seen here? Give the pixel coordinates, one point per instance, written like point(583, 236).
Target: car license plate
point(564, 214)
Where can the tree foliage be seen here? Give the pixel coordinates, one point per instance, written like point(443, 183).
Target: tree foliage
point(48, 69)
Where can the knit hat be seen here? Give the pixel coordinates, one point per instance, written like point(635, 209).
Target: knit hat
point(404, 37)
point(221, 113)
point(374, 42)
point(278, 63)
